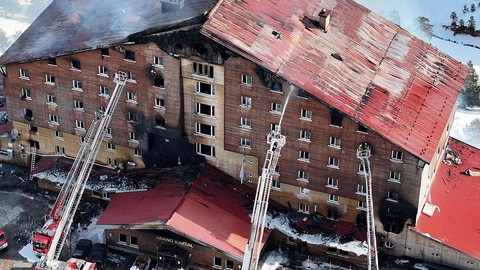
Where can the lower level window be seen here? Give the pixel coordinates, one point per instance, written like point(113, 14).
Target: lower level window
point(217, 261)
point(276, 184)
point(133, 241)
point(228, 264)
point(304, 208)
point(111, 162)
point(205, 149)
point(122, 238)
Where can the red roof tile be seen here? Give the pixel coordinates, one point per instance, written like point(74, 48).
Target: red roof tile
point(456, 221)
point(142, 207)
point(388, 80)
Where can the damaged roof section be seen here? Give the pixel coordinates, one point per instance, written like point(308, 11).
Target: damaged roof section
point(65, 27)
point(360, 63)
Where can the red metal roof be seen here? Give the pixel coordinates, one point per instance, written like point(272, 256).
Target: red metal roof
point(456, 221)
point(388, 80)
point(214, 211)
point(154, 206)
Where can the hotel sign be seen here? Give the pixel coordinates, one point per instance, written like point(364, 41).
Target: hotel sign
point(175, 241)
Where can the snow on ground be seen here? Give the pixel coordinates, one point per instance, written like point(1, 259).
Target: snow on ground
point(91, 231)
point(462, 119)
point(27, 253)
point(277, 260)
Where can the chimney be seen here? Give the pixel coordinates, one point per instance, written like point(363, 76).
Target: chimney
point(324, 19)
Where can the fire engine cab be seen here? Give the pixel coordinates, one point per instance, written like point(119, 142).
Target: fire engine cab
point(3, 240)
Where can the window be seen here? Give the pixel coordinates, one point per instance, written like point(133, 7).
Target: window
point(204, 129)
point(110, 146)
point(49, 79)
point(158, 61)
point(392, 196)
point(158, 81)
point(78, 105)
point(79, 124)
point(102, 70)
point(362, 128)
point(59, 150)
point(273, 126)
point(275, 184)
point(246, 101)
point(332, 182)
point(52, 61)
point(132, 136)
point(302, 93)
point(53, 119)
point(332, 198)
point(82, 139)
point(204, 88)
point(396, 156)
point(305, 114)
point(277, 171)
point(362, 205)
point(108, 132)
point(202, 70)
point(276, 87)
point(137, 152)
point(33, 130)
point(247, 80)
point(132, 117)
point(104, 52)
point(205, 149)
point(204, 109)
point(333, 162)
point(76, 85)
point(57, 134)
point(304, 208)
point(131, 76)
point(335, 142)
point(361, 190)
point(336, 118)
point(122, 238)
point(304, 191)
point(24, 74)
point(28, 114)
point(76, 65)
point(276, 108)
point(332, 213)
point(160, 103)
point(305, 135)
point(394, 176)
point(129, 55)
point(160, 122)
point(51, 99)
point(245, 122)
point(228, 264)
point(113, 163)
point(104, 91)
point(304, 156)
point(303, 176)
point(246, 143)
point(361, 168)
point(134, 241)
point(131, 97)
point(217, 261)
point(26, 94)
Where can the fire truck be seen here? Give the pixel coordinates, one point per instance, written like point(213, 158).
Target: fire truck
point(48, 241)
point(3, 240)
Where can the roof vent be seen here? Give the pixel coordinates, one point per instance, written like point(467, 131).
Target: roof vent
point(324, 19)
point(276, 34)
point(337, 56)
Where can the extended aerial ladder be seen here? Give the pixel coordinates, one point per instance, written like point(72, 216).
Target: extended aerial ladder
point(71, 193)
point(259, 213)
point(364, 153)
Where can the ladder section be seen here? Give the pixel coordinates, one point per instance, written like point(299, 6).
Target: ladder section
point(364, 154)
point(81, 169)
point(33, 152)
point(259, 213)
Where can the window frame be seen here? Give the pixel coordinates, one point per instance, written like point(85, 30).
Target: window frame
point(245, 122)
point(335, 142)
point(276, 108)
point(332, 182)
point(198, 109)
point(305, 135)
point(26, 94)
point(130, 56)
point(133, 136)
point(137, 152)
point(199, 147)
point(79, 125)
point(333, 162)
point(104, 91)
point(245, 102)
point(246, 80)
point(277, 185)
point(306, 115)
point(303, 176)
point(78, 105)
point(361, 190)
point(51, 99)
point(111, 146)
point(75, 65)
point(158, 61)
point(245, 143)
point(53, 119)
point(102, 71)
point(23, 73)
point(50, 79)
point(77, 85)
point(362, 205)
point(303, 208)
point(199, 127)
point(132, 97)
point(203, 70)
point(201, 90)
point(394, 176)
point(392, 196)
point(159, 103)
point(59, 150)
point(333, 198)
point(303, 156)
point(394, 156)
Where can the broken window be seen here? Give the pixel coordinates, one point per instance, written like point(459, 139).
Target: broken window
point(204, 129)
point(53, 119)
point(52, 61)
point(276, 87)
point(133, 241)
point(204, 88)
point(336, 118)
point(245, 142)
point(160, 122)
point(391, 227)
point(305, 114)
point(302, 176)
point(159, 82)
point(247, 80)
point(203, 70)
point(76, 65)
point(332, 182)
point(332, 213)
point(273, 126)
point(361, 168)
point(205, 149)
point(28, 114)
point(33, 129)
point(76, 85)
point(159, 102)
point(204, 109)
point(362, 128)
point(26, 94)
point(35, 144)
point(108, 132)
point(246, 101)
point(245, 122)
point(332, 250)
point(49, 79)
point(104, 52)
point(129, 55)
point(392, 196)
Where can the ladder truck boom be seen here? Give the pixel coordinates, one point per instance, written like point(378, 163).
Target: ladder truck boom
point(71, 193)
point(364, 154)
point(262, 195)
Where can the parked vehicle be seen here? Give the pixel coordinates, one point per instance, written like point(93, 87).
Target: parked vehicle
point(82, 249)
point(98, 255)
point(141, 263)
point(3, 240)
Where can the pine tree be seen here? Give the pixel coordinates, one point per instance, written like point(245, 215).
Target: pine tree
point(471, 23)
point(454, 18)
point(472, 8)
point(465, 9)
point(471, 89)
point(461, 23)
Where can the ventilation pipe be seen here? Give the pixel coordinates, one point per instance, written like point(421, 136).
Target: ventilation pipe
point(324, 19)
